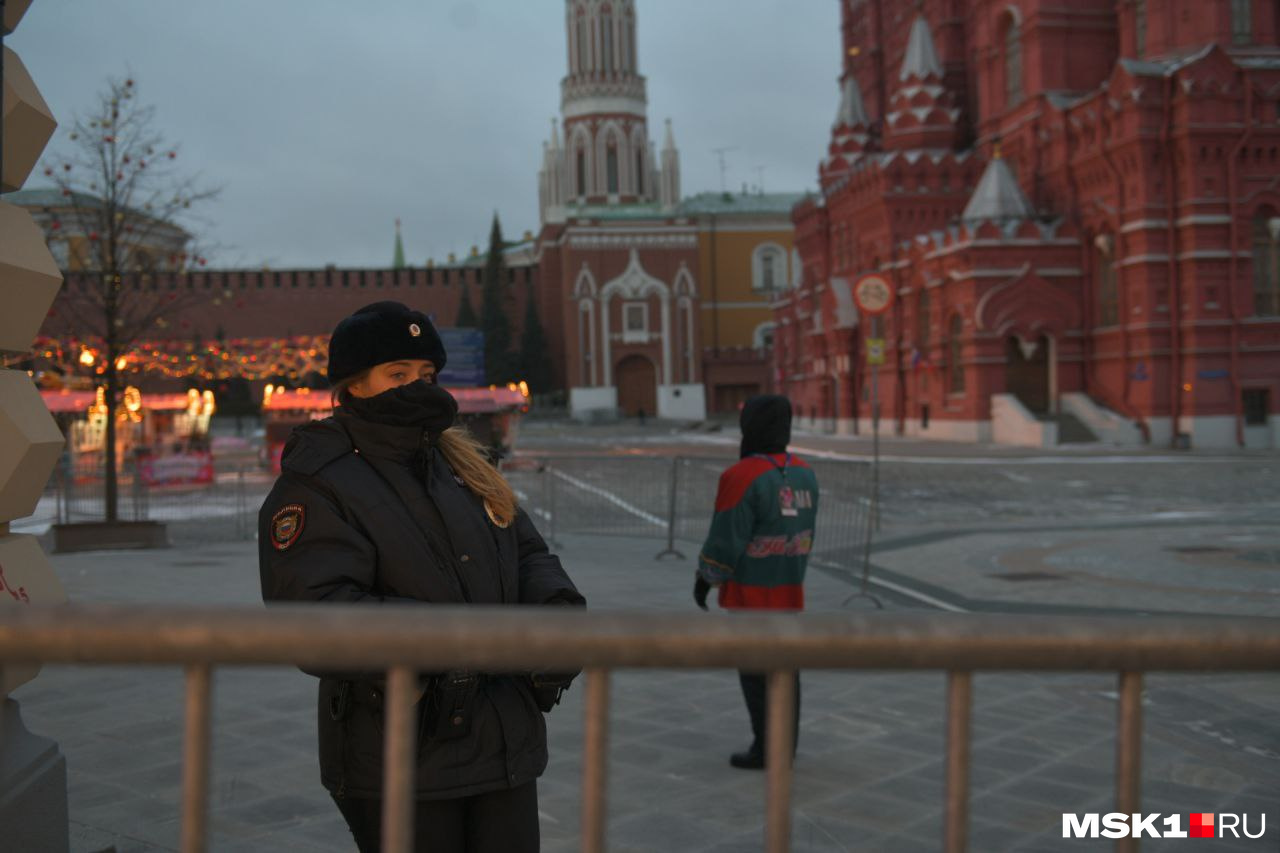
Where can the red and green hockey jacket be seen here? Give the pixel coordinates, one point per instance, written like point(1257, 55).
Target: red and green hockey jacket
point(762, 533)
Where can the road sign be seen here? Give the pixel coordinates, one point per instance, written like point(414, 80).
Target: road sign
point(875, 350)
point(873, 294)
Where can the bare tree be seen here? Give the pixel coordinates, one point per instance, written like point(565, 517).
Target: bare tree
point(116, 230)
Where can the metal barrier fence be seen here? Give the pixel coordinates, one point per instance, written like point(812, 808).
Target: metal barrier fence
point(225, 508)
point(669, 499)
point(396, 639)
point(673, 498)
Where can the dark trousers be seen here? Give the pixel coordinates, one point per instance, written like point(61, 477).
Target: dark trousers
point(755, 691)
point(496, 822)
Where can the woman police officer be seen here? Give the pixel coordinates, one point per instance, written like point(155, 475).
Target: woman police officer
point(388, 501)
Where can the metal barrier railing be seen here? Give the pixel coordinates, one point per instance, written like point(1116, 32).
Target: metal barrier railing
point(225, 508)
point(398, 640)
point(659, 497)
point(672, 498)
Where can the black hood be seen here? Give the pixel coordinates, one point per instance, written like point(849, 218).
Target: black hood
point(766, 425)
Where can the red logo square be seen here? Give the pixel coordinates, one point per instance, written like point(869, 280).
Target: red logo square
point(1201, 825)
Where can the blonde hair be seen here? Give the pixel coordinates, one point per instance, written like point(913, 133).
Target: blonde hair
point(470, 461)
point(466, 456)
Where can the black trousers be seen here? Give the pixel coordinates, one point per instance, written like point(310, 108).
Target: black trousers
point(755, 691)
point(496, 822)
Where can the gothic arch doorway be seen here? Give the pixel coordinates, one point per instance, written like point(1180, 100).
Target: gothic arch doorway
point(1026, 373)
point(637, 382)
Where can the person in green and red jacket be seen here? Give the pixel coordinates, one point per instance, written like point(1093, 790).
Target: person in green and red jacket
point(760, 539)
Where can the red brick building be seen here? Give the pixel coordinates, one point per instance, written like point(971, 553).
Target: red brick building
point(1078, 205)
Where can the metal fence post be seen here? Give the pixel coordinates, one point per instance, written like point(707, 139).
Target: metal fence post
point(959, 709)
point(670, 550)
point(595, 774)
point(1129, 752)
point(195, 758)
point(868, 526)
point(64, 483)
point(131, 466)
point(780, 747)
point(242, 505)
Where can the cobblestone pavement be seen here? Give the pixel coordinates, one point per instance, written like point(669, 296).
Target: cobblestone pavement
point(1141, 533)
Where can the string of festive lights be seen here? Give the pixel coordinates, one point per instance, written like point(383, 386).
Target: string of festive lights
point(253, 359)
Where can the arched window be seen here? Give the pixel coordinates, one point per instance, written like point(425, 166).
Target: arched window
point(1108, 289)
point(1012, 61)
point(768, 268)
point(611, 168)
point(955, 369)
point(1266, 264)
point(1241, 21)
point(582, 42)
point(764, 335)
point(639, 171)
point(582, 172)
point(606, 36)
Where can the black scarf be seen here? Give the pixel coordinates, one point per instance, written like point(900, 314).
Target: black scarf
point(418, 404)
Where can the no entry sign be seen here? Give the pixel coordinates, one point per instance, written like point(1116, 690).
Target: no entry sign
point(873, 294)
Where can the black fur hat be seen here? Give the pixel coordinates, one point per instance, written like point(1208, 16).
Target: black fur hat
point(382, 332)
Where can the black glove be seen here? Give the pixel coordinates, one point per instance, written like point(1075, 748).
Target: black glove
point(700, 590)
point(548, 687)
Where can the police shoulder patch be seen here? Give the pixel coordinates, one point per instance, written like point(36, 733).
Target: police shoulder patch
point(286, 525)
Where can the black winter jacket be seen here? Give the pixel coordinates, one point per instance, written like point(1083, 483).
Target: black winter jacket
point(353, 518)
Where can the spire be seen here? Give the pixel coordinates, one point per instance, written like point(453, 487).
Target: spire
point(397, 260)
point(850, 134)
point(851, 113)
point(669, 189)
point(997, 196)
point(921, 60)
point(922, 112)
point(555, 134)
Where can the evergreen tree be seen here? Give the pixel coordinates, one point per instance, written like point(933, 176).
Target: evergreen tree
point(467, 318)
point(535, 360)
point(498, 365)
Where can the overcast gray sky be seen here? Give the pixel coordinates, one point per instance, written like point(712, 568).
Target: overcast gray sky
point(323, 121)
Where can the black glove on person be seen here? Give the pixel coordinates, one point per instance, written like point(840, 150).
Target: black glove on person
point(700, 590)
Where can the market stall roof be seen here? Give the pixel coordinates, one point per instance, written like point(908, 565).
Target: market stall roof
point(64, 400)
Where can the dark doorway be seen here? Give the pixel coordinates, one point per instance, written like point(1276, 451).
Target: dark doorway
point(637, 382)
point(729, 398)
point(1026, 373)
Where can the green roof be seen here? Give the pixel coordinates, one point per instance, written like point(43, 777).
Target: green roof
point(647, 210)
point(720, 204)
point(778, 204)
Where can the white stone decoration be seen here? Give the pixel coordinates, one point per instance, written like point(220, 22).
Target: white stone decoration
point(30, 443)
point(26, 579)
point(635, 283)
point(29, 279)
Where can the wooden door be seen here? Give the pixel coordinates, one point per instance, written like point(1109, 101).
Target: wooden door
point(637, 382)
